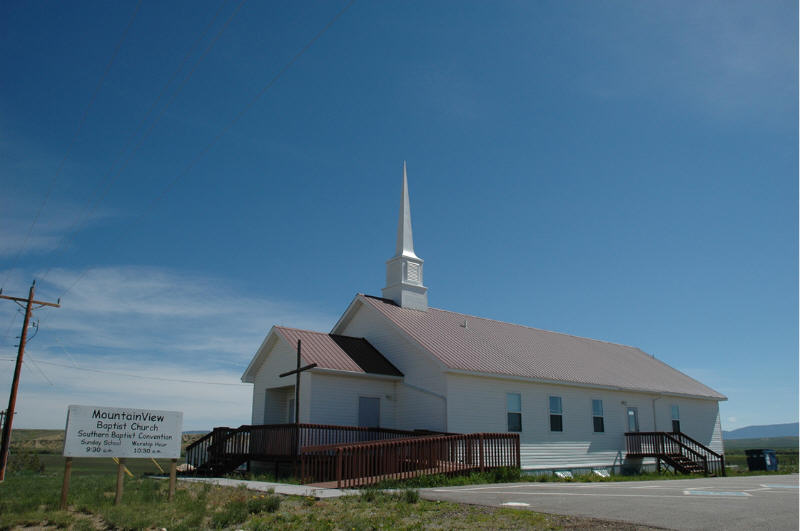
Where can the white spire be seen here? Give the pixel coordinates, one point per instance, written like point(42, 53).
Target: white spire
point(405, 240)
point(404, 269)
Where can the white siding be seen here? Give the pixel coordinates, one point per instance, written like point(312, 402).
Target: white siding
point(280, 358)
point(418, 410)
point(699, 419)
point(479, 404)
point(335, 398)
point(418, 406)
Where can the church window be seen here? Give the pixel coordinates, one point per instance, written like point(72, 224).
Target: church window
point(597, 416)
point(514, 411)
point(676, 418)
point(556, 420)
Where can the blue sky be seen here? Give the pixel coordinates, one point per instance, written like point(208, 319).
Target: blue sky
point(626, 171)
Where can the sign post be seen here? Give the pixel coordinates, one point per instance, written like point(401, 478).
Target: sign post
point(173, 470)
point(96, 431)
point(120, 480)
point(65, 484)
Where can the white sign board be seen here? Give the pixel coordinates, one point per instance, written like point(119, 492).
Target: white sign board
point(96, 431)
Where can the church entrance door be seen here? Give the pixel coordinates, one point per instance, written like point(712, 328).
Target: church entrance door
point(369, 411)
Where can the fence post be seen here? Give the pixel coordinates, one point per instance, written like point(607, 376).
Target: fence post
point(519, 457)
point(302, 469)
point(339, 468)
point(480, 450)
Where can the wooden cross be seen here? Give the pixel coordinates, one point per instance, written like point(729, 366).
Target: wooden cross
point(297, 372)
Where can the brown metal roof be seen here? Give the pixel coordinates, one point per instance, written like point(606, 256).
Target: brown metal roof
point(495, 347)
point(341, 353)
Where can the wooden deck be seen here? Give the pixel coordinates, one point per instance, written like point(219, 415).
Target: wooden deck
point(359, 464)
point(348, 456)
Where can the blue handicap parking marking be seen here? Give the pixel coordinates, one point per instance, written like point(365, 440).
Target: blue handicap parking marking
point(714, 493)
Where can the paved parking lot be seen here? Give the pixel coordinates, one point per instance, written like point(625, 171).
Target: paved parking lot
point(751, 502)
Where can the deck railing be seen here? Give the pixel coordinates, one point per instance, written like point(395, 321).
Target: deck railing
point(716, 462)
point(353, 465)
point(271, 441)
point(663, 445)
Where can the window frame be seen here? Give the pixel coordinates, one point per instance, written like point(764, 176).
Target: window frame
point(676, 418)
point(509, 412)
point(556, 416)
point(596, 417)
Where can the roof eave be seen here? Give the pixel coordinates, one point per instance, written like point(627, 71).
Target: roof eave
point(249, 373)
point(371, 375)
point(583, 384)
point(346, 315)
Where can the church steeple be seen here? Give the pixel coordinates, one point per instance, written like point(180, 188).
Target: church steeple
point(404, 269)
point(405, 240)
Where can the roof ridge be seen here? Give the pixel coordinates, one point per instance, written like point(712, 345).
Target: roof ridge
point(331, 334)
point(301, 330)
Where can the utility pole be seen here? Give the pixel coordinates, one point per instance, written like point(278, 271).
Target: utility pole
point(12, 400)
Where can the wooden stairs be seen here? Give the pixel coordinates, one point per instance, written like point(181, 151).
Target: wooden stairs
point(682, 453)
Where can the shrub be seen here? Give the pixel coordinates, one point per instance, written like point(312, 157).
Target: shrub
point(24, 462)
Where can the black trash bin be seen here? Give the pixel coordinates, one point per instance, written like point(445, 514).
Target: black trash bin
point(761, 459)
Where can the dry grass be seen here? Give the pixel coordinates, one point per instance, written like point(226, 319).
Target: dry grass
point(31, 500)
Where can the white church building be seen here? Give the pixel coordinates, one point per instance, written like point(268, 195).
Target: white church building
point(394, 362)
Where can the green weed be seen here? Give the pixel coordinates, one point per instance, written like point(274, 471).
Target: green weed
point(235, 512)
point(263, 504)
point(410, 496)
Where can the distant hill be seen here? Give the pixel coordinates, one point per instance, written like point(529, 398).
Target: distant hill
point(759, 432)
point(774, 443)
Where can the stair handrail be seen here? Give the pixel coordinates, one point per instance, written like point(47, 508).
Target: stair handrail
point(197, 452)
point(682, 446)
point(719, 459)
point(702, 446)
point(189, 448)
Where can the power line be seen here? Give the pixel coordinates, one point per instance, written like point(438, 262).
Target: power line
point(91, 205)
point(73, 140)
point(7, 333)
point(132, 375)
point(30, 358)
point(224, 131)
